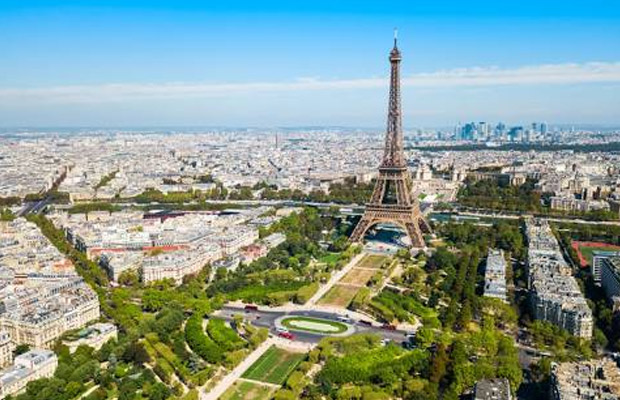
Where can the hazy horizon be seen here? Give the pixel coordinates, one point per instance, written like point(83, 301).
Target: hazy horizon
point(143, 63)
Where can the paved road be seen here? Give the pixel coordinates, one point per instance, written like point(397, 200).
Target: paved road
point(33, 207)
point(266, 319)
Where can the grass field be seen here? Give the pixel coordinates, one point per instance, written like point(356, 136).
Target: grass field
point(372, 261)
point(339, 296)
point(242, 390)
point(329, 258)
point(274, 366)
point(314, 325)
point(587, 251)
point(358, 276)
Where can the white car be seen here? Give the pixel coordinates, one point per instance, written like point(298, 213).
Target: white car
point(281, 330)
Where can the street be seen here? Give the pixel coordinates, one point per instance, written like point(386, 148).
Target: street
point(266, 319)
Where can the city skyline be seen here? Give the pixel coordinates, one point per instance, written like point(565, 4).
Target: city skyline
point(164, 64)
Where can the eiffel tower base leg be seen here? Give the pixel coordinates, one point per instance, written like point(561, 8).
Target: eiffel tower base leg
point(414, 231)
point(360, 230)
point(413, 228)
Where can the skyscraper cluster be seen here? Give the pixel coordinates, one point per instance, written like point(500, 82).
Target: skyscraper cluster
point(484, 131)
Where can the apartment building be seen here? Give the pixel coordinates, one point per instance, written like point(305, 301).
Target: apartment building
point(32, 365)
point(593, 379)
point(495, 275)
point(554, 292)
point(6, 349)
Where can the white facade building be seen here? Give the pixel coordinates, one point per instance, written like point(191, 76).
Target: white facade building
point(495, 275)
point(32, 365)
point(555, 294)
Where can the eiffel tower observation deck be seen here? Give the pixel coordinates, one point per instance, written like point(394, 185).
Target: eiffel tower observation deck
point(391, 201)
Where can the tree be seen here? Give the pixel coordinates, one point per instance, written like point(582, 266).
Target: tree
point(439, 364)
point(129, 278)
point(21, 349)
point(600, 339)
point(136, 353)
point(424, 337)
point(73, 389)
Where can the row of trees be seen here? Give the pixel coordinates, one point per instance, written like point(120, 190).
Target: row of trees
point(105, 179)
point(10, 201)
point(348, 192)
point(402, 307)
point(84, 208)
point(441, 367)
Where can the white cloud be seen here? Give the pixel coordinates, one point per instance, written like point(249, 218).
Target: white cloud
point(552, 74)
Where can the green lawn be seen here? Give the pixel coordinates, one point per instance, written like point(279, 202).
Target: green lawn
point(274, 366)
point(338, 326)
point(329, 258)
point(372, 261)
point(242, 390)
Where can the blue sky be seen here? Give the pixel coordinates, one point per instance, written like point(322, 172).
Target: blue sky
point(287, 63)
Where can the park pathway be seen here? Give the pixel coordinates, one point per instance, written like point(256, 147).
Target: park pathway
point(333, 279)
point(236, 373)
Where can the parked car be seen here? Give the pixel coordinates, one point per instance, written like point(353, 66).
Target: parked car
point(251, 307)
point(282, 330)
point(364, 322)
point(344, 319)
point(408, 345)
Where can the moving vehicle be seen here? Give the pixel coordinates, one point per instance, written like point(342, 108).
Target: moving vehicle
point(388, 327)
point(286, 335)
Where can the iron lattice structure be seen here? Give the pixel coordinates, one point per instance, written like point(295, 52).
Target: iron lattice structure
point(391, 200)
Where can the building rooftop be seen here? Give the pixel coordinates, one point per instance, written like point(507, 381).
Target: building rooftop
point(492, 389)
point(595, 379)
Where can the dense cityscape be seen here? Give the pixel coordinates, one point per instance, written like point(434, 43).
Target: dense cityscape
point(474, 261)
point(106, 234)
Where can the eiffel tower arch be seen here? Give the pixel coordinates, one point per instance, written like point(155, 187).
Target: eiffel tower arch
point(391, 201)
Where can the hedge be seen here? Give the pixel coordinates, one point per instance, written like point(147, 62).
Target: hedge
point(224, 336)
point(304, 293)
point(200, 343)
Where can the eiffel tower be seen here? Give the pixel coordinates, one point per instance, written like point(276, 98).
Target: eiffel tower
point(391, 200)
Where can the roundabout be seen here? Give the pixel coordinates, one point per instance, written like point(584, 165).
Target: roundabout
point(314, 325)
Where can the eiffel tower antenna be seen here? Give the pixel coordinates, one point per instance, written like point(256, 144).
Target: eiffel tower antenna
point(391, 200)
